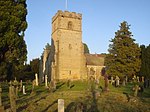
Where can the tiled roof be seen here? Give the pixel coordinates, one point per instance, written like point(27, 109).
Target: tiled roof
point(95, 59)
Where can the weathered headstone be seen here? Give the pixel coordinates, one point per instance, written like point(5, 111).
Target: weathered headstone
point(12, 97)
point(36, 79)
point(138, 79)
point(20, 85)
point(136, 89)
point(134, 78)
point(112, 80)
point(79, 107)
point(117, 81)
point(33, 85)
point(142, 79)
point(1, 106)
point(96, 83)
point(60, 105)
point(103, 71)
point(106, 82)
point(46, 81)
point(15, 84)
point(24, 92)
point(126, 79)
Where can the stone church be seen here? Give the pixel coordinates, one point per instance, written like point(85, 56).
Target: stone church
point(65, 59)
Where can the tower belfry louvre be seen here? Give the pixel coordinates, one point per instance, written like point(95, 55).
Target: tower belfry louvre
point(67, 51)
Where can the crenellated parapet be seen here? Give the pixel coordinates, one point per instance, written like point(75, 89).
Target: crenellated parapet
point(67, 14)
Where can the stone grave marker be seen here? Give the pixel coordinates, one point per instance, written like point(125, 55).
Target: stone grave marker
point(117, 81)
point(20, 85)
point(36, 79)
point(1, 106)
point(138, 80)
point(46, 81)
point(15, 84)
point(106, 82)
point(112, 80)
point(126, 79)
point(142, 79)
point(12, 97)
point(136, 89)
point(24, 92)
point(33, 85)
point(134, 78)
point(60, 105)
point(96, 83)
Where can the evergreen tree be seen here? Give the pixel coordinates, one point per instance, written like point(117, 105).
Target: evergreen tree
point(147, 75)
point(86, 49)
point(13, 52)
point(145, 58)
point(124, 55)
point(143, 61)
point(35, 64)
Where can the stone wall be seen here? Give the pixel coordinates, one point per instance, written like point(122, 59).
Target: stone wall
point(67, 56)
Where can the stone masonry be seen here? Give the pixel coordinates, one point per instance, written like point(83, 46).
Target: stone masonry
point(65, 58)
point(67, 50)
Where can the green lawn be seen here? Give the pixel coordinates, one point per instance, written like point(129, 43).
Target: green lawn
point(77, 94)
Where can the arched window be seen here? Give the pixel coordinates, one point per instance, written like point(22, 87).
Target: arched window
point(70, 25)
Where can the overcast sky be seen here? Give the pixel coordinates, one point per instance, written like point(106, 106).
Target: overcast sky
point(100, 21)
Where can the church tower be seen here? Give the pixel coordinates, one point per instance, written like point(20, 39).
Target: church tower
point(67, 50)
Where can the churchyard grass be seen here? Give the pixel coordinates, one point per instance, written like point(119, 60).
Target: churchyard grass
point(79, 92)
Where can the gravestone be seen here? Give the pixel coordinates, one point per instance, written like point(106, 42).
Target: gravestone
point(79, 107)
point(126, 79)
point(60, 105)
point(24, 92)
point(20, 85)
point(46, 81)
point(15, 84)
point(141, 89)
point(142, 79)
point(112, 80)
point(117, 81)
point(134, 78)
point(12, 97)
point(33, 85)
point(52, 86)
point(138, 79)
point(36, 79)
point(1, 106)
point(136, 89)
point(106, 82)
point(96, 83)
